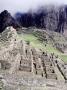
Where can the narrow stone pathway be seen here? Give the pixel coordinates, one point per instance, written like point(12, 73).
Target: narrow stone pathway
point(58, 73)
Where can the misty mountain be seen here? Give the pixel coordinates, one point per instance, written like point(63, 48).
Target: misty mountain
point(52, 18)
point(31, 19)
point(7, 20)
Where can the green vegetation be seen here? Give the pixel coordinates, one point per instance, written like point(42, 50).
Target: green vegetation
point(34, 41)
point(64, 58)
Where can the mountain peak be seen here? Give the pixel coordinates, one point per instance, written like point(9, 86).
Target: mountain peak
point(7, 20)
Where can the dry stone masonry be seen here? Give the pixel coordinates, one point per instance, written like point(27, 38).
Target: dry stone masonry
point(26, 68)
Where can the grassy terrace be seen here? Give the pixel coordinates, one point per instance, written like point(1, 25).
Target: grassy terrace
point(64, 58)
point(37, 44)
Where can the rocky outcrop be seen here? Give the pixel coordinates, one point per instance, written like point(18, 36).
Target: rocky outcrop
point(7, 20)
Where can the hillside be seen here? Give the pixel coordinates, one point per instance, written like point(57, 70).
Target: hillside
point(7, 20)
point(53, 18)
point(26, 63)
point(33, 45)
point(47, 41)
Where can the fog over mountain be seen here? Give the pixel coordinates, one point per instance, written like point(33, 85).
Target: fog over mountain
point(51, 15)
point(24, 5)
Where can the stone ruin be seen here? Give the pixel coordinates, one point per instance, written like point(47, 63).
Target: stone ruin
point(50, 37)
point(19, 58)
point(61, 47)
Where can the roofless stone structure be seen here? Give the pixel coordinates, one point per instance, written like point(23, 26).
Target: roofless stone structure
point(22, 65)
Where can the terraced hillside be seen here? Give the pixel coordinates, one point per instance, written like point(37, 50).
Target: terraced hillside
point(26, 66)
point(48, 41)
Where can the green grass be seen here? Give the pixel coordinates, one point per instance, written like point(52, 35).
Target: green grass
point(64, 58)
point(37, 44)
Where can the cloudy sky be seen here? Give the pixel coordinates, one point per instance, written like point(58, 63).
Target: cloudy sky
point(24, 5)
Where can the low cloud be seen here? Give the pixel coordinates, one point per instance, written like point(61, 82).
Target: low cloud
point(24, 5)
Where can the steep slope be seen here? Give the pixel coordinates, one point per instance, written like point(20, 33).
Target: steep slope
point(25, 67)
point(49, 41)
point(50, 17)
point(50, 37)
point(7, 20)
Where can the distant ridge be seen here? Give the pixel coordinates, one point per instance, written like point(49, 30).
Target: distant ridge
point(52, 18)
